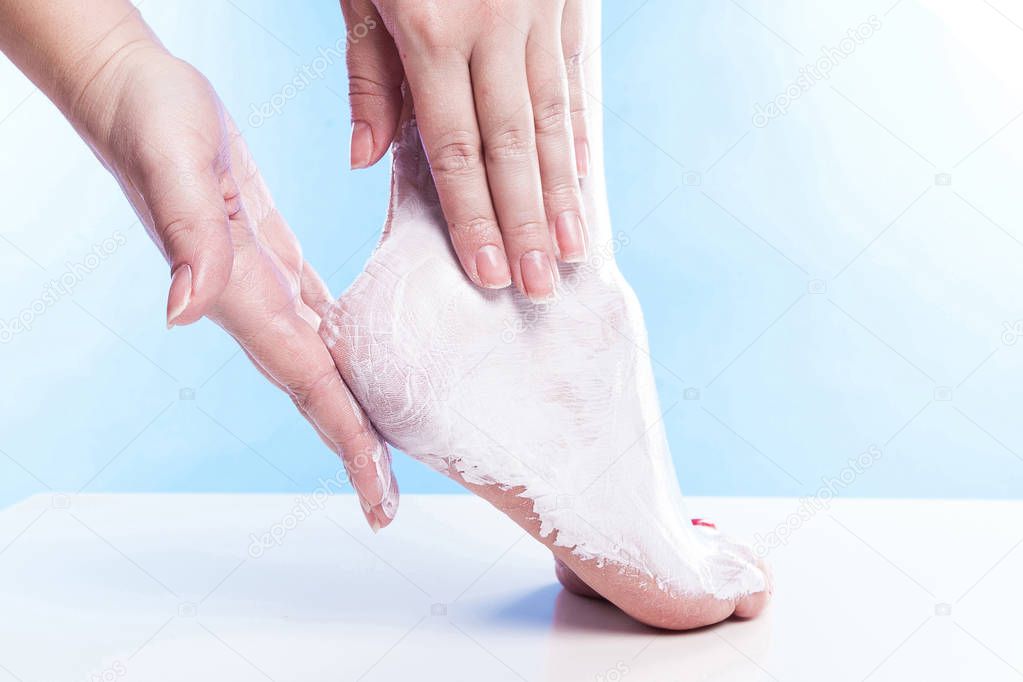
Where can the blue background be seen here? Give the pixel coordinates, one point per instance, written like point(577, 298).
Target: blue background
point(813, 287)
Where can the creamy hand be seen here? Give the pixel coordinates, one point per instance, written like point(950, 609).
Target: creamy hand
point(158, 126)
point(499, 96)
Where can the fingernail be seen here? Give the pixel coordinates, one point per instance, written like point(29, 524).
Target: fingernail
point(382, 521)
point(492, 267)
point(373, 477)
point(389, 506)
point(385, 477)
point(537, 276)
point(367, 511)
point(582, 158)
point(362, 145)
point(180, 294)
point(571, 237)
point(704, 523)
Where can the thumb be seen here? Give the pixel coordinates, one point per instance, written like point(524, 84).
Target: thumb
point(375, 76)
point(191, 215)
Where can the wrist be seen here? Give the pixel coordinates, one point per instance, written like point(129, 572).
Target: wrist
point(92, 92)
point(68, 47)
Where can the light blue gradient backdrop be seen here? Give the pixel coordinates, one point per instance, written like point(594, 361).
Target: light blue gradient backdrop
point(729, 225)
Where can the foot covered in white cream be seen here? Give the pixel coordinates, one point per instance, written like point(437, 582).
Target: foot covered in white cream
point(548, 412)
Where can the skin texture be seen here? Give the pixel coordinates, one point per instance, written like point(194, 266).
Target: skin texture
point(621, 587)
point(499, 100)
point(158, 126)
point(160, 129)
point(398, 344)
point(556, 424)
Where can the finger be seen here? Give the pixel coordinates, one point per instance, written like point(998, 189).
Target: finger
point(290, 352)
point(548, 90)
point(509, 146)
point(573, 41)
point(273, 233)
point(375, 76)
point(276, 320)
point(190, 210)
point(269, 318)
point(446, 117)
point(315, 292)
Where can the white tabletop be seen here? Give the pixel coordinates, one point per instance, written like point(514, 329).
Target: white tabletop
point(178, 587)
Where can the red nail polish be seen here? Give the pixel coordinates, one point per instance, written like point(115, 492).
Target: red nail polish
point(704, 523)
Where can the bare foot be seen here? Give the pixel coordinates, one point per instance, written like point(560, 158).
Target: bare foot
point(548, 412)
point(745, 608)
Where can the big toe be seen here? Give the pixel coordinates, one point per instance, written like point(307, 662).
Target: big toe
point(573, 583)
point(752, 605)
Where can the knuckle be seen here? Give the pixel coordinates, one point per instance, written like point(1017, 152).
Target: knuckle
point(511, 144)
point(182, 233)
point(573, 61)
point(358, 440)
point(367, 86)
point(527, 231)
point(562, 193)
point(457, 154)
point(578, 111)
point(551, 117)
point(473, 229)
point(425, 27)
point(306, 390)
point(177, 230)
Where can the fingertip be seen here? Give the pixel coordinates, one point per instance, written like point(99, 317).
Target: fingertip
point(195, 287)
point(384, 513)
point(362, 147)
point(380, 519)
point(539, 279)
point(570, 237)
point(370, 513)
point(492, 270)
point(180, 294)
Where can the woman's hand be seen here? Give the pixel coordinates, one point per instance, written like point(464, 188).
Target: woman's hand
point(159, 127)
point(499, 102)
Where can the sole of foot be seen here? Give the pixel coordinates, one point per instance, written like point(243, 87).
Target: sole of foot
point(622, 586)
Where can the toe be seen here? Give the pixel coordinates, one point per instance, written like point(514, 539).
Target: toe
point(752, 605)
point(573, 583)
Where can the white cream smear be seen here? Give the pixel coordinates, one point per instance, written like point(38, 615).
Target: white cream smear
point(556, 401)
